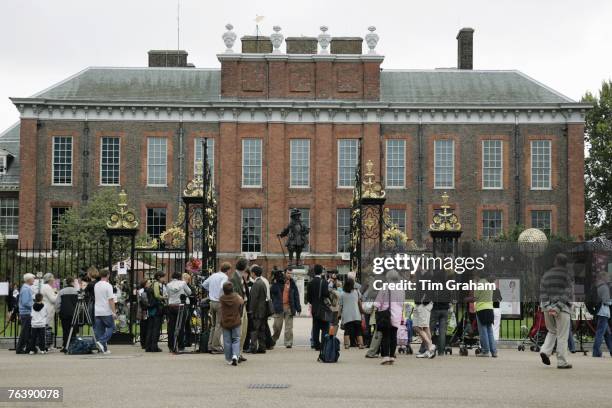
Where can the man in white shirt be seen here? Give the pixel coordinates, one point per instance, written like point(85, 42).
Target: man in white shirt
point(214, 285)
point(104, 311)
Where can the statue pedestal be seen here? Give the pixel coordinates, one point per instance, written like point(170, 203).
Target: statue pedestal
point(299, 275)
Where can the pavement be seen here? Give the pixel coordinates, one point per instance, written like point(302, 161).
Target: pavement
point(131, 378)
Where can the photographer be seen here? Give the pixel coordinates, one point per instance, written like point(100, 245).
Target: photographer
point(178, 290)
point(66, 304)
point(155, 313)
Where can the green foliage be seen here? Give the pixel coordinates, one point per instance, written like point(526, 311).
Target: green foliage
point(511, 235)
point(598, 164)
point(85, 225)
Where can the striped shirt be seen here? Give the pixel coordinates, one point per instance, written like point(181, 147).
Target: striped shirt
point(556, 286)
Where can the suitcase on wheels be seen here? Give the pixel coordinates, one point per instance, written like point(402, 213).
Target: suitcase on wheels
point(330, 349)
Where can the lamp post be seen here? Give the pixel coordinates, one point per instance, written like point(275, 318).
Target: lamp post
point(123, 223)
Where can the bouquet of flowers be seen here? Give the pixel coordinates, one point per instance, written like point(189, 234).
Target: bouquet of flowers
point(194, 265)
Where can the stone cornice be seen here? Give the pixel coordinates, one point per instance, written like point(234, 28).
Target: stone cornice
point(298, 112)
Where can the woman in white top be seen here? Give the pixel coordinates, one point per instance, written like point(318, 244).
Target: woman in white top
point(49, 296)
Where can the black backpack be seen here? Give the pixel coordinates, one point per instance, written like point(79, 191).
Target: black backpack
point(592, 302)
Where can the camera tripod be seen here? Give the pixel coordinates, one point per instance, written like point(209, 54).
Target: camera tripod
point(81, 317)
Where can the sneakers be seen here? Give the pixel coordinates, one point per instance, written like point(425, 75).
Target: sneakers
point(423, 354)
point(431, 353)
point(230, 362)
point(234, 360)
point(545, 358)
point(566, 367)
point(32, 353)
point(100, 347)
point(241, 359)
point(386, 361)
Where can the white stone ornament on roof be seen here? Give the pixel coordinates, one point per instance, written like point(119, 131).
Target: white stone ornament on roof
point(276, 38)
point(229, 38)
point(372, 39)
point(324, 40)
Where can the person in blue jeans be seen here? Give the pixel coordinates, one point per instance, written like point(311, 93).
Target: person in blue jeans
point(104, 311)
point(231, 305)
point(483, 300)
point(603, 316)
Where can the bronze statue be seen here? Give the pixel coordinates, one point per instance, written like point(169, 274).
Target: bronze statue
point(297, 236)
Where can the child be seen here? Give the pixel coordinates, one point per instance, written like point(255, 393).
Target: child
point(39, 321)
point(231, 311)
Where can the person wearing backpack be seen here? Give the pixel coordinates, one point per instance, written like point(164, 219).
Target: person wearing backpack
point(66, 304)
point(230, 316)
point(155, 312)
point(603, 315)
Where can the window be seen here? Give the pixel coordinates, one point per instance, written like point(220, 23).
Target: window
point(251, 230)
point(343, 229)
point(109, 161)
point(398, 217)
point(444, 164)
point(157, 162)
point(396, 163)
point(156, 221)
point(9, 216)
point(62, 160)
point(56, 215)
point(541, 219)
point(306, 220)
point(210, 153)
point(251, 162)
point(540, 164)
point(299, 163)
point(347, 161)
point(3, 166)
point(491, 223)
point(492, 164)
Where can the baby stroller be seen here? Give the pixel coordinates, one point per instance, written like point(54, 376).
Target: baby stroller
point(466, 333)
point(536, 334)
point(404, 332)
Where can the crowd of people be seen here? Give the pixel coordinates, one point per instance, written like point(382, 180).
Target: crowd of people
point(240, 301)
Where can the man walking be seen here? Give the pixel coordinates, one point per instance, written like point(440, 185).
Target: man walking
point(239, 281)
point(259, 310)
point(286, 301)
point(26, 300)
point(318, 291)
point(555, 298)
point(603, 315)
point(104, 311)
point(214, 285)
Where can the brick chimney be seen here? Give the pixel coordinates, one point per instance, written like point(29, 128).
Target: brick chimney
point(168, 58)
point(252, 44)
point(465, 48)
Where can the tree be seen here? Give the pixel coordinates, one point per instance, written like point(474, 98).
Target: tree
point(598, 164)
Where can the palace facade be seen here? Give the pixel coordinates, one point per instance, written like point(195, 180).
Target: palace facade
point(283, 123)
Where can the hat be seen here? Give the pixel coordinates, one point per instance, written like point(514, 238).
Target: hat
point(295, 211)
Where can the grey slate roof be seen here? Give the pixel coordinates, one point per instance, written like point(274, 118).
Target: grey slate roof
point(445, 86)
point(9, 141)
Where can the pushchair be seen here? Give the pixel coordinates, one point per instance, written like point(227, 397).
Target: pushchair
point(404, 332)
point(466, 334)
point(536, 334)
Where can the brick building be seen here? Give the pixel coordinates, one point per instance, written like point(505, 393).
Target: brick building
point(283, 132)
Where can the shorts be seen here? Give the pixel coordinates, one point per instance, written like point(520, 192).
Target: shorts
point(421, 314)
point(353, 328)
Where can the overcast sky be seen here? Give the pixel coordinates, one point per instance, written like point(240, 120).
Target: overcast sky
point(564, 44)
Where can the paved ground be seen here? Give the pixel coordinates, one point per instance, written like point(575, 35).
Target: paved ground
point(131, 378)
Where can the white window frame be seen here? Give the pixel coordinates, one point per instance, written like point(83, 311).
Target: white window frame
point(252, 165)
point(531, 154)
point(501, 161)
point(452, 186)
point(405, 216)
point(211, 158)
point(338, 229)
point(482, 224)
point(119, 163)
point(351, 183)
point(291, 159)
point(149, 184)
point(53, 161)
point(14, 201)
point(388, 185)
point(261, 230)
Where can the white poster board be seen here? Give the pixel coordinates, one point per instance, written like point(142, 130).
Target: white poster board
point(122, 268)
point(4, 288)
point(510, 305)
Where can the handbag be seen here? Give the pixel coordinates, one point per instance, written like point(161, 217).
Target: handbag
point(383, 317)
point(270, 307)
